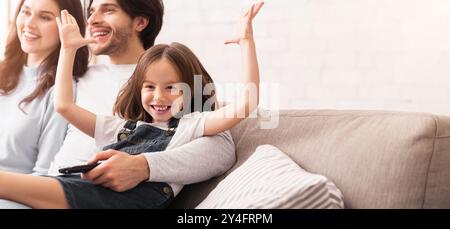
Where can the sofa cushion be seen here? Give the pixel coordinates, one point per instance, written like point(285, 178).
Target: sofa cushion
point(378, 159)
point(271, 180)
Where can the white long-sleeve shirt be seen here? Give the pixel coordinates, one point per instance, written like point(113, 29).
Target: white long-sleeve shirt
point(193, 162)
point(29, 141)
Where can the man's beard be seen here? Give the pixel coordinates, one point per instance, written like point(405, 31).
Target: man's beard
point(117, 44)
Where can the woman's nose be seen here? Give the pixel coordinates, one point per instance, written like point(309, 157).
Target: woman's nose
point(30, 22)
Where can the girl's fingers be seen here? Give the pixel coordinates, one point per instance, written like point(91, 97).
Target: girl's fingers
point(90, 41)
point(58, 22)
point(72, 19)
point(250, 11)
point(64, 17)
point(257, 8)
point(234, 41)
point(66, 14)
point(247, 13)
point(248, 16)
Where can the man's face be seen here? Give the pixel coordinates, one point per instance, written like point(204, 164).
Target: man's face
point(110, 26)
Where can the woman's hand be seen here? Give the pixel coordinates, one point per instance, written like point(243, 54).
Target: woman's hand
point(69, 32)
point(245, 31)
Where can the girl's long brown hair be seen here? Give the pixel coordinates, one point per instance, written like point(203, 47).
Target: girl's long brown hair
point(15, 58)
point(129, 103)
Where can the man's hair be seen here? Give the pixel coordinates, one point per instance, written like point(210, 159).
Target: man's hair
point(153, 10)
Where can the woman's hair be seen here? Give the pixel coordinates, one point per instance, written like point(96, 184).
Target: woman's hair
point(15, 58)
point(153, 10)
point(129, 103)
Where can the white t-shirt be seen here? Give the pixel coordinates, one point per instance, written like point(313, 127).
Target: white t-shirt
point(97, 92)
point(189, 128)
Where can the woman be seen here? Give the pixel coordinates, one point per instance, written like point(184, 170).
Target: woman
point(31, 132)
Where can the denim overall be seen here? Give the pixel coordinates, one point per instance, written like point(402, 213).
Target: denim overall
point(82, 194)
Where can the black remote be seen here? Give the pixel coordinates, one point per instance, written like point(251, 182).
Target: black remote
point(78, 169)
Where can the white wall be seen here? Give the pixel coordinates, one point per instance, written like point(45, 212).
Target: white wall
point(330, 54)
point(324, 54)
point(3, 25)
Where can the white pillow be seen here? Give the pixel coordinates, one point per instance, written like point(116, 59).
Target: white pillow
point(269, 179)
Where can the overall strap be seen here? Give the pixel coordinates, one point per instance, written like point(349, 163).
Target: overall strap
point(173, 125)
point(129, 127)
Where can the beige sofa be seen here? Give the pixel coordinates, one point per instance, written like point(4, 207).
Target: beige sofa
point(378, 159)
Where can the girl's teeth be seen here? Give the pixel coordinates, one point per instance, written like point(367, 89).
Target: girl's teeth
point(161, 108)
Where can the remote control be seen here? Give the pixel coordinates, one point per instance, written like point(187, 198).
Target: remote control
point(78, 169)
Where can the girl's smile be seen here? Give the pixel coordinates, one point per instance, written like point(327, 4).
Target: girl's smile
point(160, 110)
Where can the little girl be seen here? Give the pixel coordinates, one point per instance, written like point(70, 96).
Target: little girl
point(153, 114)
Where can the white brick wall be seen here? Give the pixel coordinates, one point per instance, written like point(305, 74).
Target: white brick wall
point(3, 26)
point(325, 54)
point(329, 54)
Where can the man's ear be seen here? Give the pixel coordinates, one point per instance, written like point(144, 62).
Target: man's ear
point(140, 23)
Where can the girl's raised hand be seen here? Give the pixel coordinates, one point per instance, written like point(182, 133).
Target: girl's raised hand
point(245, 31)
point(69, 32)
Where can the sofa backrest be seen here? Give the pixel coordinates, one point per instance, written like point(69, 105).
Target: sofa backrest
point(378, 159)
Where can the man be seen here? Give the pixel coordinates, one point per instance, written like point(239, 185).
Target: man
point(123, 30)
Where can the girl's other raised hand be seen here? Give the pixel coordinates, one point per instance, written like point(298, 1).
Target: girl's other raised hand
point(245, 31)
